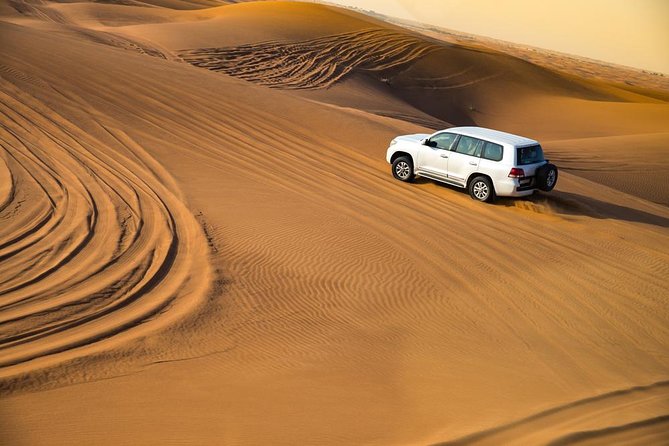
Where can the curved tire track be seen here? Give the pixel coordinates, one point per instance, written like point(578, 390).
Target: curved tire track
point(94, 248)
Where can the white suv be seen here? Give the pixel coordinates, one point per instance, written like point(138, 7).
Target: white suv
point(487, 162)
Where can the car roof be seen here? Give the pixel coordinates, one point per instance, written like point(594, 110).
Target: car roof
point(493, 136)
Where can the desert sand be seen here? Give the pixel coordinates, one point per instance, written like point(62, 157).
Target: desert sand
point(201, 241)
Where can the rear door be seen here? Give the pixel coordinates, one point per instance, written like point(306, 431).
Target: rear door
point(464, 159)
point(529, 158)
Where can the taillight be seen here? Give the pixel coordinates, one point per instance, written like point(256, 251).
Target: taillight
point(516, 173)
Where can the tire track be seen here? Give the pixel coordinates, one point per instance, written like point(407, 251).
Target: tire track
point(579, 420)
point(95, 249)
point(315, 63)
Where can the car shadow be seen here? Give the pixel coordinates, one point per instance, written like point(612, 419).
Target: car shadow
point(568, 203)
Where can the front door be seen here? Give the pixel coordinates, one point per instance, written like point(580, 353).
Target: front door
point(433, 156)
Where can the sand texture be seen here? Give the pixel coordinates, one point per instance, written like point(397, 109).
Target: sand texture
point(201, 241)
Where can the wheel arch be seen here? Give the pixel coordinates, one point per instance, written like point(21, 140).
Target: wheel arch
point(479, 174)
point(400, 153)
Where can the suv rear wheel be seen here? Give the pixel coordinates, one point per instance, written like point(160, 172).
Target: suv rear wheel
point(547, 176)
point(403, 169)
point(481, 189)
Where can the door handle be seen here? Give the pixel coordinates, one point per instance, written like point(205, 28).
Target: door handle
point(473, 163)
point(443, 155)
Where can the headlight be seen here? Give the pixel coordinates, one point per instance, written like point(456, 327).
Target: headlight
point(393, 142)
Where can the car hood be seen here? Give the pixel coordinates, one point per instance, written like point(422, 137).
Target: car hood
point(416, 137)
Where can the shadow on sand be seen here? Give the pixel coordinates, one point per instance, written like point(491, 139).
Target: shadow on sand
point(567, 203)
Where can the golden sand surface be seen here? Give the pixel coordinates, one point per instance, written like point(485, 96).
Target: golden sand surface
point(201, 241)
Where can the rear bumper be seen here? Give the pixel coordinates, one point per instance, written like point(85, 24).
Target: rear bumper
point(515, 187)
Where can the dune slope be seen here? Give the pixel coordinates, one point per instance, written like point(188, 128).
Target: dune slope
point(203, 260)
point(393, 72)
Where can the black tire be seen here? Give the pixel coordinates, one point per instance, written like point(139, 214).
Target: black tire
point(403, 169)
point(547, 176)
point(481, 189)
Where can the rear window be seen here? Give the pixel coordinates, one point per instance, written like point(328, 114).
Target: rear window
point(530, 155)
point(492, 151)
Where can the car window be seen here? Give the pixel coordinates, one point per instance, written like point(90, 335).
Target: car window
point(468, 146)
point(530, 155)
point(443, 140)
point(492, 151)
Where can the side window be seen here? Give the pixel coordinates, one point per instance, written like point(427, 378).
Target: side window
point(492, 151)
point(443, 140)
point(469, 146)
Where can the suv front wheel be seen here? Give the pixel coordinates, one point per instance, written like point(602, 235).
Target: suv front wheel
point(481, 189)
point(403, 169)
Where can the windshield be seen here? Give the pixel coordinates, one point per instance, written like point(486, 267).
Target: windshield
point(530, 155)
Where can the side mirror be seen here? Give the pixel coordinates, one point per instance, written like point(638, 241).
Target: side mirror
point(424, 141)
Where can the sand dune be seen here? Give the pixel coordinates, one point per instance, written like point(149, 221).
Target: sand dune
point(251, 22)
point(190, 257)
